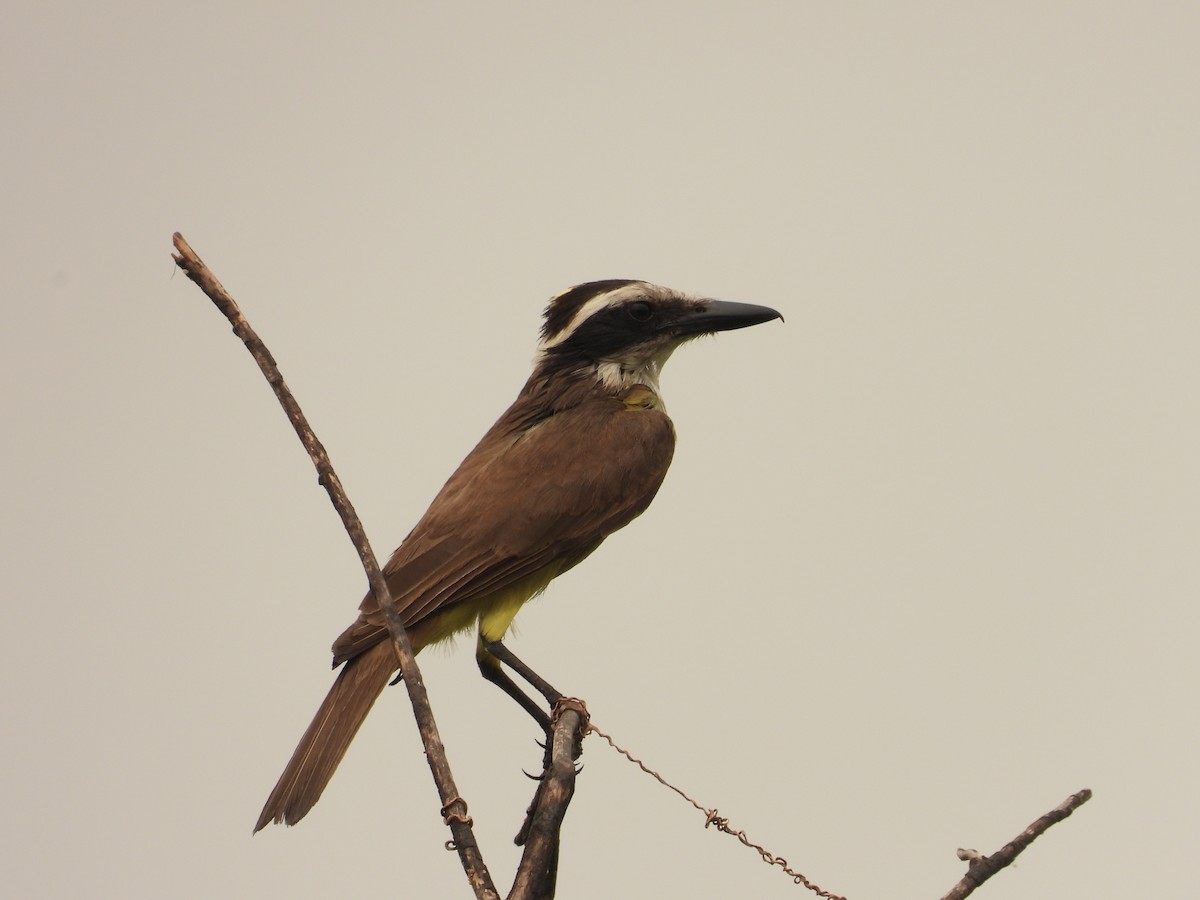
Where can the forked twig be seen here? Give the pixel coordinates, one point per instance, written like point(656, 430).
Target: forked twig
point(537, 874)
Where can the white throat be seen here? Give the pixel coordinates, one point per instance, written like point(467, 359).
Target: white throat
point(621, 373)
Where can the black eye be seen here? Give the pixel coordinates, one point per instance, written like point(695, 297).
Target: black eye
point(640, 311)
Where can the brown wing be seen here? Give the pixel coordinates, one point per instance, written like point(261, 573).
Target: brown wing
point(549, 493)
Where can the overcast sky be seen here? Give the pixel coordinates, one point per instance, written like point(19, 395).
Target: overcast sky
point(925, 563)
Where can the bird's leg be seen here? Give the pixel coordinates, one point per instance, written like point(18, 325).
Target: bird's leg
point(536, 681)
point(490, 654)
point(489, 667)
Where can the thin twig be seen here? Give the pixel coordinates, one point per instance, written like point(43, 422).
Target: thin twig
point(980, 868)
point(454, 809)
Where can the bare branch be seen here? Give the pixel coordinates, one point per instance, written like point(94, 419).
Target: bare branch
point(980, 868)
point(538, 872)
point(454, 809)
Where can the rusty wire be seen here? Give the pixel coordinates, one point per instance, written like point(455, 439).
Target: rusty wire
point(450, 814)
point(711, 818)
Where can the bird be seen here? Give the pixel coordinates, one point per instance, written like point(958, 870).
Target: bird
point(579, 454)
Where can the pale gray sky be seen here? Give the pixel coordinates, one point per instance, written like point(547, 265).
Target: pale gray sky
point(926, 561)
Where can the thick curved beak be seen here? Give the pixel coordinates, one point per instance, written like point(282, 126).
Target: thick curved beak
point(722, 315)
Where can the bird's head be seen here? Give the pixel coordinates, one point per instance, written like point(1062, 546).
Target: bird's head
point(625, 330)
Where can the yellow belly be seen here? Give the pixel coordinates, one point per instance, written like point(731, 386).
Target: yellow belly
point(493, 612)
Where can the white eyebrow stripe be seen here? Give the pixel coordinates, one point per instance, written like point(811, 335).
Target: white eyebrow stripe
point(590, 308)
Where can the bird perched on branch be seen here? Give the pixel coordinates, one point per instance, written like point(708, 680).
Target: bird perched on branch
point(579, 454)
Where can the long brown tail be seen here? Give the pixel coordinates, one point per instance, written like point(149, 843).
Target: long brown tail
point(361, 680)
